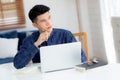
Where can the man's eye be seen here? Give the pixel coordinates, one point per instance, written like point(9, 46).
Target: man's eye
point(49, 17)
point(42, 21)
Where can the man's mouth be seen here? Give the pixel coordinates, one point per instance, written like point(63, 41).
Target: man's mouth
point(49, 27)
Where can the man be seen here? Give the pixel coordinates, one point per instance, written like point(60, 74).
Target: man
point(41, 19)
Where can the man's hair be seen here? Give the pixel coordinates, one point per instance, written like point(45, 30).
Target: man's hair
point(36, 11)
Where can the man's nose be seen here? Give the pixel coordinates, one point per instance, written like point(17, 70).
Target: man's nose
point(48, 23)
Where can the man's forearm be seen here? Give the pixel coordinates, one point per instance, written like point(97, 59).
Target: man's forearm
point(24, 56)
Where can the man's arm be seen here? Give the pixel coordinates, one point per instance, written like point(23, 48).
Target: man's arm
point(25, 54)
point(28, 50)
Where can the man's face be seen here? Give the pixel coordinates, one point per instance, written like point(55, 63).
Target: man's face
point(44, 22)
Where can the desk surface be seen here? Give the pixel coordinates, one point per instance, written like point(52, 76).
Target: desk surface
point(108, 72)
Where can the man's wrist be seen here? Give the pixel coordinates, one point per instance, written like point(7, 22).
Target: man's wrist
point(36, 44)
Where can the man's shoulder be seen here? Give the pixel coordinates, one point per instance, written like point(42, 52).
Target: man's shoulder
point(35, 32)
point(60, 30)
point(33, 35)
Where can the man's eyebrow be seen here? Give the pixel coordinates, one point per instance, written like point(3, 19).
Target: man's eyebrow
point(42, 20)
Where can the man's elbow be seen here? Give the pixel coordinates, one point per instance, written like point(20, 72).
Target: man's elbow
point(17, 65)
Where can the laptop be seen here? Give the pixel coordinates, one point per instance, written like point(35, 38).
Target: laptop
point(60, 57)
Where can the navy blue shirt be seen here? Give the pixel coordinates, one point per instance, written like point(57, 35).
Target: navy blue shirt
point(28, 51)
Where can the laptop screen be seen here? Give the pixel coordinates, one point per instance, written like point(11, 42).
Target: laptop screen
point(61, 56)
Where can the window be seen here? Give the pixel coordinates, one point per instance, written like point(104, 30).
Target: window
point(11, 14)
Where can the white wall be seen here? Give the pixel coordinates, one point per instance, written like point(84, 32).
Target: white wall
point(114, 7)
point(63, 13)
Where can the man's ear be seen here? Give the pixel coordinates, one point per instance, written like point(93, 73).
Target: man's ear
point(34, 24)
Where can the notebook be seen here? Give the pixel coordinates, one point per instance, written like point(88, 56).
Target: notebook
point(60, 57)
point(87, 66)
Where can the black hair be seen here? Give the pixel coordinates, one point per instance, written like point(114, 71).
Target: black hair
point(37, 10)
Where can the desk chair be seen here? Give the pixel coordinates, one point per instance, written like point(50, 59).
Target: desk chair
point(82, 37)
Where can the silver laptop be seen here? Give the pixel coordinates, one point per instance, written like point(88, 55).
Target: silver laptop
point(60, 57)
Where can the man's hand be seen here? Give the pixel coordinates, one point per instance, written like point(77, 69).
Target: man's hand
point(42, 37)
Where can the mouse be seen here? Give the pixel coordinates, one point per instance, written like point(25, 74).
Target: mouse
point(95, 61)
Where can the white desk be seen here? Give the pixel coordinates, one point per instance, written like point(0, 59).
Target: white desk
point(108, 72)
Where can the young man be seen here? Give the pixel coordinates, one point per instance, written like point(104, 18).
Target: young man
point(41, 19)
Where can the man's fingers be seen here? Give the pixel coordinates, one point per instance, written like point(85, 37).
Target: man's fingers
point(44, 36)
